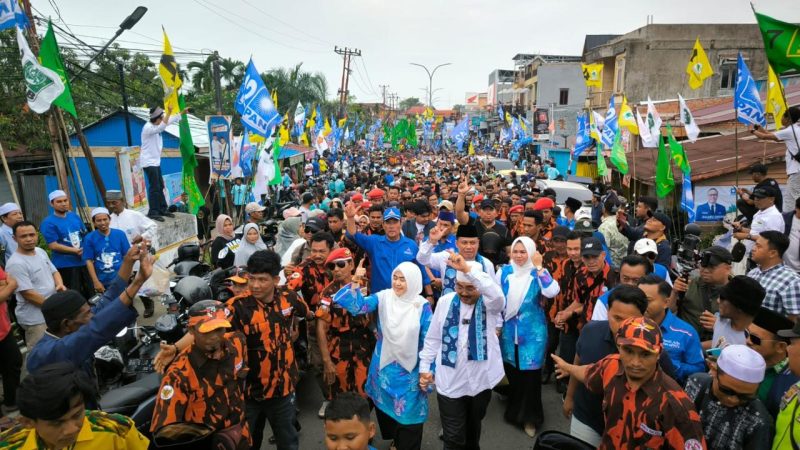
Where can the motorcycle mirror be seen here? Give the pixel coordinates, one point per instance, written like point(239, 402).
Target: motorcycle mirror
point(122, 332)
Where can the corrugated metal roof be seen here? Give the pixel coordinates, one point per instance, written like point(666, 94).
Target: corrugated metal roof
point(711, 157)
point(725, 112)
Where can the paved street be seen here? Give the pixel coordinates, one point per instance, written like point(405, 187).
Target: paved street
point(496, 433)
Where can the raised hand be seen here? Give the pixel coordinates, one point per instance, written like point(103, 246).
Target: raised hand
point(537, 259)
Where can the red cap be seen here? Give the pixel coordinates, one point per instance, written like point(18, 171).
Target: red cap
point(365, 206)
point(477, 198)
point(516, 209)
point(416, 187)
point(640, 332)
point(357, 198)
point(543, 203)
point(339, 253)
point(375, 194)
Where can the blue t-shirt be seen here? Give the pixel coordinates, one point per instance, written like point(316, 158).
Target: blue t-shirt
point(237, 192)
point(67, 230)
point(106, 252)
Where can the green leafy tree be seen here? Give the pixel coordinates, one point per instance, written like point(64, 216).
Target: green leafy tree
point(409, 102)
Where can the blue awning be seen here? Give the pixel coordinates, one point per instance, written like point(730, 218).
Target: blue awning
point(287, 153)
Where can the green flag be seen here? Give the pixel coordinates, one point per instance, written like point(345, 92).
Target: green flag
point(618, 157)
point(781, 42)
point(412, 135)
point(50, 57)
point(601, 162)
point(665, 183)
point(678, 154)
point(276, 152)
point(196, 199)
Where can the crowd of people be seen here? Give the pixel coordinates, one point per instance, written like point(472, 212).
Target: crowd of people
point(403, 276)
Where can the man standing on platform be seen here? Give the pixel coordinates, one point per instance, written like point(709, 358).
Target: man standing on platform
point(150, 159)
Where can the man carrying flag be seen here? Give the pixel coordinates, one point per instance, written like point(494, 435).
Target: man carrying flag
point(789, 135)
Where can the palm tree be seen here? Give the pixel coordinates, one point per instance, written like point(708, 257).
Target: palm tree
point(232, 72)
point(294, 85)
point(202, 75)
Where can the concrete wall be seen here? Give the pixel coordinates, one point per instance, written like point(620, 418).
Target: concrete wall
point(656, 57)
point(553, 77)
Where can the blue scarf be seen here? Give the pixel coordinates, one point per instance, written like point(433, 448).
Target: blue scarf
point(477, 333)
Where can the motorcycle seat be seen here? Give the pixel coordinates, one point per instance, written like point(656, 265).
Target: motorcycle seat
point(128, 397)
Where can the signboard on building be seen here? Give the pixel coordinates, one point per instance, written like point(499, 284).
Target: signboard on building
point(219, 146)
point(713, 202)
point(541, 124)
point(131, 176)
point(471, 99)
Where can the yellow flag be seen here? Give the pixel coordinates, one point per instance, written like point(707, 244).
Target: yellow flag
point(439, 119)
point(523, 125)
point(593, 131)
point(284, 135)
point(428, 113)
point(342, 121)
point(508, 118)
point(170, 79)
point(326, 130)
point(626, 117)
point(471, 148)
point(593, 74)
point(776, 104)
point(304, 139)
point(698, 68)
point(275, 98)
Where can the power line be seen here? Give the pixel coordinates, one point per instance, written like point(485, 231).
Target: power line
point(302, 33)
point(371, 84)
point(240, 26)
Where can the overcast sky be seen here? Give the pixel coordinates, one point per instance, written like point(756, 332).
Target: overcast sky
point(475, 36)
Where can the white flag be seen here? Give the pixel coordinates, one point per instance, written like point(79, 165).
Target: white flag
point(43, 85)
point(320, 143)
point(644, 132)
point(265, 169)
point(687, 119)
point(300, 115)
point(653, 121)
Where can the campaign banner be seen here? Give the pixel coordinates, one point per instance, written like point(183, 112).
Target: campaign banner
point(132, 178)
point(219, 147)
point(713, 202)
point(173, 187)
point(541, 124)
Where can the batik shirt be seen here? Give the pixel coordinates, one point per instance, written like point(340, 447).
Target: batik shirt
point(350, 344)
point(393, 389)
point(197, 389)
point(267, 329)
point(746, 426)
point(526, 332)
point(586, 288)
point(564, 274)
point(657, 415)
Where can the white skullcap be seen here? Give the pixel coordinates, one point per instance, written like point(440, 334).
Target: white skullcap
point(9, 208)
point(99, 210)
point(462, 277)
point(56, 194)
point(743, 363)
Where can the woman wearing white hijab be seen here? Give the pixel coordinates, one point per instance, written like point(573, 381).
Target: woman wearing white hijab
point(251, 242)
point(393, 379)
point(524, 337)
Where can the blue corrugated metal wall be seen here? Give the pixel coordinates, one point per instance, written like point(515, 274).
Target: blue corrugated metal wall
point(111, 133)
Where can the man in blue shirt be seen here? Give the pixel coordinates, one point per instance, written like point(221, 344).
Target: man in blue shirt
point(387, 251)
point(681, 340)
point(76, 330)
point(103, 250)
point(63, 231)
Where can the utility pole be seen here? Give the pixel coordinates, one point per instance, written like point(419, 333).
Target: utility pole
point(393, 104)
point(343, 92)
point(383, 91)
point(217, 82)
point(121, 70)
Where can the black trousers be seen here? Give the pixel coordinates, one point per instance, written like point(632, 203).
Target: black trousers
point(11, 368)
point(461, 420)
point(155, 191)
point(405, 437)
point(77, 278)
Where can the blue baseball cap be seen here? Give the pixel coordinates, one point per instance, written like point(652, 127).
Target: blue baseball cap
point(391, 213)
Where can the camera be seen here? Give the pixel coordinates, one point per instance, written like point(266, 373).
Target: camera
point(688, 250)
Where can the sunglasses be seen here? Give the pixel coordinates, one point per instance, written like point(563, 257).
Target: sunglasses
point(340, 264)
point(757, 340)
point(728, 392)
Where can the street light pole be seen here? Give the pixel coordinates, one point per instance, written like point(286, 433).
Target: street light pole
point(430, 79)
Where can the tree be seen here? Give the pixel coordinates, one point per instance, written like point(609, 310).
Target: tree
point(409, 102)
point(202, 75)
point(294, 85)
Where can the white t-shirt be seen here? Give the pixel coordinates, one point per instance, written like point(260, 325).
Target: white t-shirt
point(792, 255)
point(790, 138)
point(724, 335)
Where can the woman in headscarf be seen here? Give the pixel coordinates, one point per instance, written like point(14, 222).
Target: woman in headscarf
point(393, 379)
point(288, 232)
point(523, 341)
point(251, 242)
point(225, 244)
